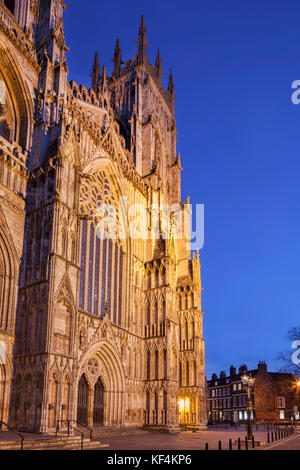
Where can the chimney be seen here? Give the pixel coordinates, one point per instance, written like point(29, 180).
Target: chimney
point(232, 371)
point(222, 374)
point(243, 369)
point(262, 366)
point(214, 377)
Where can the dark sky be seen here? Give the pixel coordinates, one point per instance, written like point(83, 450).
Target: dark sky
point(233, 63)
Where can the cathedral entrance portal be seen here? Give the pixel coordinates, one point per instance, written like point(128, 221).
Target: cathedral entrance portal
point(98, 403)
point(82, 403)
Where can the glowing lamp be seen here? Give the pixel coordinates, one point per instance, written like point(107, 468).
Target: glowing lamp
point(181, 405)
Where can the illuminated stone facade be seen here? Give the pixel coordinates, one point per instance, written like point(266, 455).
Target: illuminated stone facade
point(108, 332)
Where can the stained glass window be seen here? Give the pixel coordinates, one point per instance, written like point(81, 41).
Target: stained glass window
point(103, 277)
point(120, 285)
point(109, 270)
point(91, 269)
point(116, 290)
point(82, 264)
point(96, 286)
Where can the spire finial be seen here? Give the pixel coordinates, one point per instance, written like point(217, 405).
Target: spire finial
point(171, 89)
point(142, 42)
point(104, 79)
point(95, 75)
point(117, 60)
point(158, 67)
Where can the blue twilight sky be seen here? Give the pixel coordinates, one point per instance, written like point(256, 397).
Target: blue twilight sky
point(239, 135)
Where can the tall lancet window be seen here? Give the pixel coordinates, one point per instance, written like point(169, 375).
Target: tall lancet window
point(91, 268)
point(109, 270)
point(96, 286)
point(103, 277)
point(82, 264)
point(120, 285)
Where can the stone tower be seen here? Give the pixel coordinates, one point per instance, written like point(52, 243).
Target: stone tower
point(105, 330)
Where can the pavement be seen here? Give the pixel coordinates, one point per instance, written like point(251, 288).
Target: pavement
point(182, 441)
point(139, 439)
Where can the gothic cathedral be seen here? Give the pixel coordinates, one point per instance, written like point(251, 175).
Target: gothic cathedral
point(103, 330)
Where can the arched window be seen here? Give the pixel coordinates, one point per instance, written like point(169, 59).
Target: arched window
point(82, 264)
point(156, 365)
point(164, 310)
point(148, 313)
point(6, 286)
point(63, 241)
point(148, 365)
point(156, 312)
point(187, 373)
point(4, 123)
point(102, 257)
point(73, 249)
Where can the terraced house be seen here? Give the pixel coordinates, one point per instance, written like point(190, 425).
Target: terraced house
point(103, 330)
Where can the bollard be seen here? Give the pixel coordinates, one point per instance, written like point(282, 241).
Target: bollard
point(268, 438)
point(272, 436)
point(220, 445)
point(206, 446)
point(230, 444)
point(239, 443)
point(246, 443)
point(253, 443)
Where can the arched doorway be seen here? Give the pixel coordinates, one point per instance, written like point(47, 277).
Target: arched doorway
point(82, 402)
point(98, 403)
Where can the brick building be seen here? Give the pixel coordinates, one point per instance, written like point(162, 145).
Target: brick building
point(275, 396)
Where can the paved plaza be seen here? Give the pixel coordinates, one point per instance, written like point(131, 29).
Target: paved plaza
point(137, 439)
point(181, 441)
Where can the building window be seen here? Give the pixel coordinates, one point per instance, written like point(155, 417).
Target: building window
point(280, 402)
point(281, 414)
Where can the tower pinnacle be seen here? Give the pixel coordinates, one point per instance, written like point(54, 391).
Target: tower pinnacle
point(142, 42)
point(95, 75)
point(158, 67)
point(117, 60)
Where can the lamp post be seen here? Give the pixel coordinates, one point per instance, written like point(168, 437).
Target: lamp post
point(248, 381)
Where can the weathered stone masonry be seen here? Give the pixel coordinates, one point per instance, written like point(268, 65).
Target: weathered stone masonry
point(108, 332)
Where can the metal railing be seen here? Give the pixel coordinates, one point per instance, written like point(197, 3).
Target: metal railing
point(83, 426)
point(70, 427)
point(2, 423)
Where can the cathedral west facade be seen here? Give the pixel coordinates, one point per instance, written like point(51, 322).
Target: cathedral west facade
point(96, 325)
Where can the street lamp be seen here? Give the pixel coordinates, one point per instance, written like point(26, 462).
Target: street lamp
point(248, 381)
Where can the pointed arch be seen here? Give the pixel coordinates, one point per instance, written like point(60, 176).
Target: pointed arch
point(17, 110)
point(9, 267)
point(112, 375)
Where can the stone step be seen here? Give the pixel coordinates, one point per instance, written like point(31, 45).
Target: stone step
point(49, 443)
